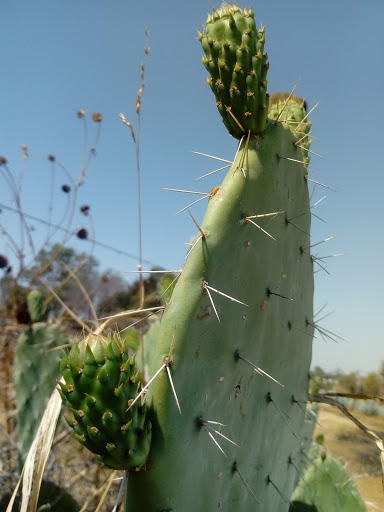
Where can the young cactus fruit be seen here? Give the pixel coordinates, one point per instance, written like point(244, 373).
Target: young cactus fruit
point(100, 385)
point(238, 68)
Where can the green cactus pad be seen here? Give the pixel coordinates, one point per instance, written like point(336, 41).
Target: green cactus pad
point(264, 263)
point(327, 487)
point(238, 69)
point(36, 371)
point(35, 306)
point(165, 288)
point(149, 346)
point(100, 385)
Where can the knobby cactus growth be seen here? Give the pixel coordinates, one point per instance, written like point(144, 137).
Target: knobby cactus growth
point(220, 422)
point(100, 386)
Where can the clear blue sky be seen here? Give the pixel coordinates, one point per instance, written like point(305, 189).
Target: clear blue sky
point(58, 57)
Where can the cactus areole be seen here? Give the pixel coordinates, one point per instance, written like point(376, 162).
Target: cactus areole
point(230, 365)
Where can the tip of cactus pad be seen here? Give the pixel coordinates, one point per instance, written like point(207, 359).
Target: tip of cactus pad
point(278, 97)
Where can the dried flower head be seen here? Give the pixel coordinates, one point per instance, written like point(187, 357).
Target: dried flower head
point(82, 233)
point(24, 149)
point(3, 261)
point(97, 117)
point(85, 209)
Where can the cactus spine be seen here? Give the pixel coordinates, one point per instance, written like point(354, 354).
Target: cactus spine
point(235, 342)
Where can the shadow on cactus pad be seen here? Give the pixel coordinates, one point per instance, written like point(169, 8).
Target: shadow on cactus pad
point(298, 506)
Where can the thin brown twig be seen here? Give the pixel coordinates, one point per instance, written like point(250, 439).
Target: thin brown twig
point(324, 399)
point(83, 291)
point(136, 136)
point(71, 212)
point(67, 309)
point(72, 272)
point(356, 396)
point(137, 142)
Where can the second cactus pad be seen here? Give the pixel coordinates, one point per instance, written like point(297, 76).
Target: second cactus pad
point(100, 386)
point(36, 371)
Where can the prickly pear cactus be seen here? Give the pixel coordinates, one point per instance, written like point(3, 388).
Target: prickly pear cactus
point(327, 487)
point(100, 384)
point(237, 335)
point(36, 370)
point(230, 370)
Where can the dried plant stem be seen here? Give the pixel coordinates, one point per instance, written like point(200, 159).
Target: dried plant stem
point(83, 291)
point(324, 399)
point(58, 227)
point(16, 190)
point(136, 136)
point(72, 273)
point(67, 309)
point(106, 490)
point(137, 142)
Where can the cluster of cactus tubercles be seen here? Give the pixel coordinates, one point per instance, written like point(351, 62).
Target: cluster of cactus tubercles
point(100, 385)
point(238, 68)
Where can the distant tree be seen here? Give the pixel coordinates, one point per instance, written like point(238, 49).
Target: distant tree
point(129, 298)
point(54, 267)
point(381, 369)
point(350, 382)
point(372, 384)
point(56, 272)
point(318, 371)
